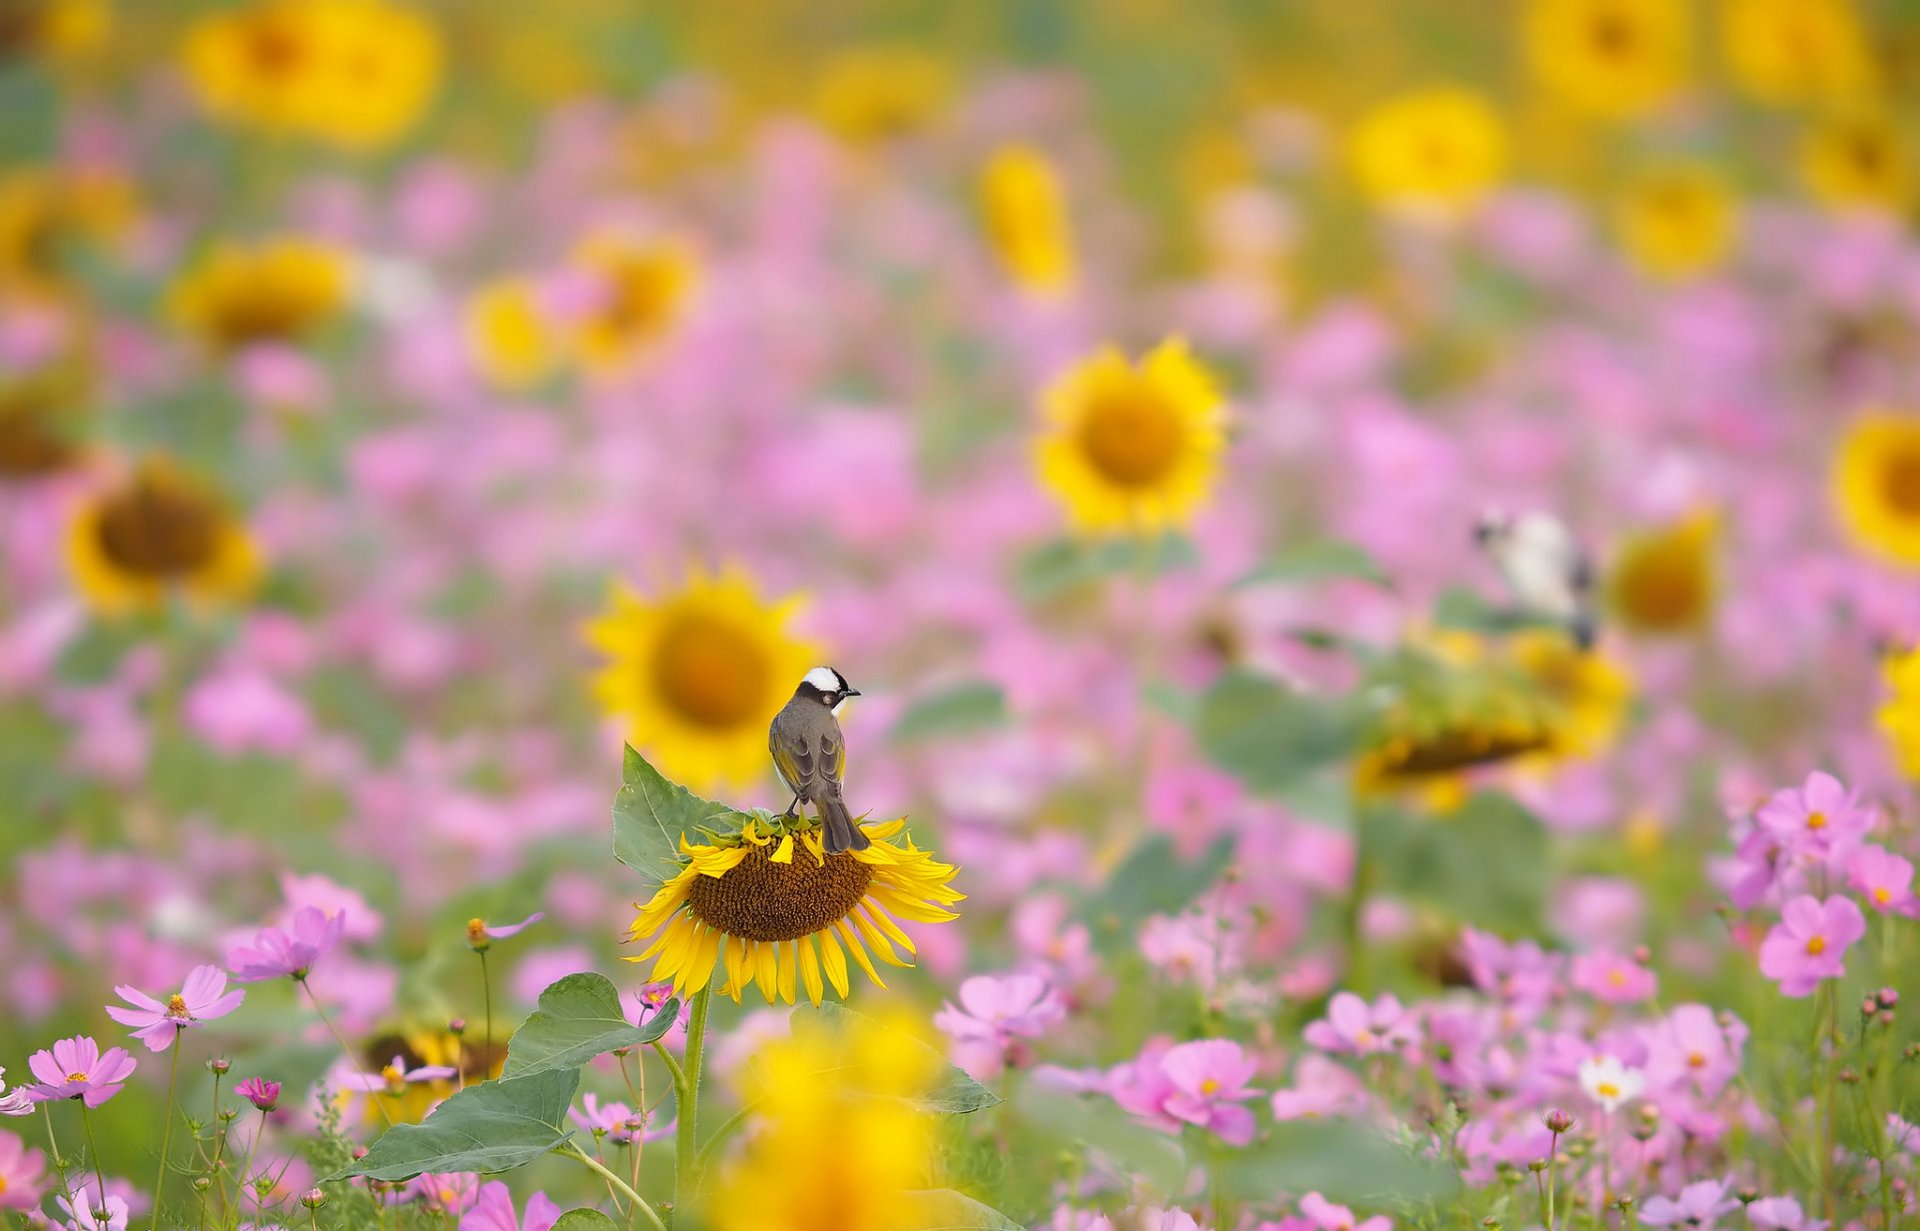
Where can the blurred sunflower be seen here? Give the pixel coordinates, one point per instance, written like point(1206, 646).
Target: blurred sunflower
point(40, 427)
point(59, 30)
point(1024, 208)
point(356, 73)
point(1876, 484)
point(1665, 581)
point(1787, 52)
point(1437, 150)
point(1677, 221)
point(762, 898)
point(156, 533)
point(421, 1049)
point(509, 338)
point(1132, 446)
point(280, 290)
point(644, 288)
point(42, 209)
point(876, 92)
point(1899, 715)
point(1858, 159)
point(699, 673)
point(1615, 59)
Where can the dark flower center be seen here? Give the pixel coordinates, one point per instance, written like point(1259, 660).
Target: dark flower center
point(161, 527)
point(764, 900)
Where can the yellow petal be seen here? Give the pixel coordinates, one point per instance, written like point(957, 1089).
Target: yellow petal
point(784, 852)
point(835, 961)
point(809, 969)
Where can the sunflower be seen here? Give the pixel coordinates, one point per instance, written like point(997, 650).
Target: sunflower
point(1615, 59)
point(1787, 52)
point(644, 285)
point(1899, 716)
point(699, 673)
point(1677, 221)
point(509, 339)
point(40, 428)
point(1876, 484)
point(874, 93)
point(1665, 581)
point(1025, 212)
point(761, 898)
point(1132, 446)
point(1433, 151)
point(156, 533)
point(277, 291)
point(1857, 159)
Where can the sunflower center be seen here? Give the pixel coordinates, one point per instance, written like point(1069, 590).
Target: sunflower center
point(31, 442)
point(710, 673)
point(274, 49)
point(1664, 587)
point(1900, 482)
point(643, 293)
point(763, 900)
point(1131, 436)
point(1613, 35)
point(1816, 945)
point(157, 527)
point(1462, 747)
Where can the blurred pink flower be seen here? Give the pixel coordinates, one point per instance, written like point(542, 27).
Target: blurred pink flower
point(1810, 942)
point(202, 997)
point(1782, 1214)
point(1354, 1028)
point(996, 1013)
point(360, 922)
point(1208, 1079)
point(77, 1068)
point(86, 1213)
point(1884, 879)
point(1330, 1217)
point(1320, 1088)
point(287, 952)
point(237, 710)
point(1613, 978)
point(394, 1077)
point(22, 1174)
point(493, 1211)
point(1698, 1205)
point(16, 1102)
point(445, 1192)
point(618, 1122)
point(1815, 817)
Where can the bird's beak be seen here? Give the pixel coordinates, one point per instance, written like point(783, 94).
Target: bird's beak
point(851, 692)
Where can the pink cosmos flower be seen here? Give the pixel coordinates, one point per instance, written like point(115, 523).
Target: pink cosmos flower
point(77, 1068)
point(617, 1122)
point(493, 1211)
point(1810, 942)
point(202, 997)
point(1698, 1205)
point(445, 1192)
point(481, 934)
point(1353, 1028)
point(1613, 978)
point(15, 1102)
point(1321, 1087)
point(1815, 818)
point(362, 922)
point(996, 1013)
point(1884, 879)
point(263, 1094)
point(1330, 1217)
point(22, 1174)
point(395, 1077)
point(290, 952)
point(1782, 1214)
point(1693, 1047)
point(1209, 1082)
point(83, 1215)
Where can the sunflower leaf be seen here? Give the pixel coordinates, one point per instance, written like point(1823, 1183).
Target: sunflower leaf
point(1480, 863)
point(585, 1219)
point(1269, 736)
point(578, 1018)
point(952, 1094)
point(1344, 1160)
point(494, 1126)
point(649, 815)
point(943, 1209)
point(1318, 560)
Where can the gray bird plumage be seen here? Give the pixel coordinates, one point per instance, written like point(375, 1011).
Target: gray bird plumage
point(1546, 572)
point(811, 755)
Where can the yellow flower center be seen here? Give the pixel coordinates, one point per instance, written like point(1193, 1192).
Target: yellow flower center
point(1696, 1060)
point(158, 526)
point(710, 673)
point(1882, 895)
point(395, 1080)
point(3, 1185)
point(1607, 1090)
point(762, 900)
point(476, 931)
point(644, 293)
point(1816, 820)
point(176, 1005)
point(1900, 482)
point(1613, 35)
point(1817, 945)
point(79, 1076)
point(1209, 1086)
point(1363, 1038)
point(1131, 436)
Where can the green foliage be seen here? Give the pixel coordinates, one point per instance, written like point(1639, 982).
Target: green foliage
point(1318, 560)
point(1155, 880)
point(585, 1220)
point(1051, 571)
point(972, 706)
point(494, 1126)
point(578, 1018)
point(1270, 736)
point(1152, 1155)
point(954, 1093)
point(943, 1209)
point(649, 815)
point(1484, 864)
point(1345, 1161)
point(1465, 609)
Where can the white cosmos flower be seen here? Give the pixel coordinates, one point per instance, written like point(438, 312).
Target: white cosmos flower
point(1609, 1082)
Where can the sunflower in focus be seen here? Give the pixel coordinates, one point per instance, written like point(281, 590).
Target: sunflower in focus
point(1858, 159)
point(1025, 211)
point(1899, 715)
point(508, 336)
point(1665, 581)
point(1614, 59)
point(697, 674)
point(1876, 484)
point(1132, 446)
point(156, 533)
point(280, 290)
point(1789, 52)
point(770, 904)
point(1677, 221)
point(1436, 151)
point(644, 287)
point(873, 93)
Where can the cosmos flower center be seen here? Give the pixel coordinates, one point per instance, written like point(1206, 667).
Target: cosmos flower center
point(81, 1075)
point(710, 673)
point(763, 900)
point(1882, 895)
point(1131, 436)
point(1816, 820)
point(393, 1077)
point(1607, 1089)
point(1816, 945)
point(177, 1006)
point(1900, 482)
point(159, 527)
point(1210, 1086)
point(1696, 1060)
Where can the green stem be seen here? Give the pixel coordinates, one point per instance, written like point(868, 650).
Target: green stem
point(86, 1122)
point(486, 1040)
point(60, 1162)
point(686, 1166)
point(725, 1131)
point(219, 1152)
point(1359, 888)
point(673, 1066)
point(352, 1063)
point(593, 1164)
point(1553, 1175)
point(166, 1134)
point(252, 1146)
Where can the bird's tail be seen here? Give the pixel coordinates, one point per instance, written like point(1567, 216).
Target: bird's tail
point(842, 833)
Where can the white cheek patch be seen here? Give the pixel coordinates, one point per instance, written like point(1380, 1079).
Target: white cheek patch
point(824, 678)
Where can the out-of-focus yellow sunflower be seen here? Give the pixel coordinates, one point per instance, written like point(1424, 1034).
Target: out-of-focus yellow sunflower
point(774, 907)
point(1590, 690)
point(1858, 159)
point(41, 426)
point(1899, 716)
point(1876, 485)
point(873, 93)
point(1025, 211)
point(1613, 59)
point(511, 342)
point(698, 673)
point(408, 1102)
point(356, 73)
point(42, 208)
point(1132, 446)
point(1434, 151)
point(1665, 581)
point(1790, 52)
point(645, 286)
point(61, 31)
point(837, 1142)
point(156, 533)
point(1677, 221)
point(279, 290)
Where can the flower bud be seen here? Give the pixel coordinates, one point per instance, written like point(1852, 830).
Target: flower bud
point(1537, 1165)
point(457, 1027)
point(1888, 998)
point(1869, 1007)
point(477, 938)
point(313, 1198)
point(1886, 1017)
point(201, 1183)
point(220, 1065)
point(1557, 1121)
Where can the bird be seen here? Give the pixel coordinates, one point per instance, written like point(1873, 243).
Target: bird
point(1545, 570)
point(811, 755)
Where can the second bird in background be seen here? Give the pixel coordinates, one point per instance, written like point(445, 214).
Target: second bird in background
point(1546, 572)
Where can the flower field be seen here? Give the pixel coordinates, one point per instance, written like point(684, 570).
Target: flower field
point(867, 617)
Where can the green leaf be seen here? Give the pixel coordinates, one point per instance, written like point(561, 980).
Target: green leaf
point(971, 706)
point(1155, 880)
point(649, 815)
point(953, 1094)
point(578, 1018)
point(1318, 560)
point(1048, 572)
point(1482, 863)
point(1155, 1157)
point(1345, 1161)
point(585, 1220)
point(494, 1126)
point(1269, 736)
point(1465, 609)
point(943, 1209)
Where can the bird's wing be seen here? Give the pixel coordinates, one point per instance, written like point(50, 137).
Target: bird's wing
point(833, 760)
point(795, 760)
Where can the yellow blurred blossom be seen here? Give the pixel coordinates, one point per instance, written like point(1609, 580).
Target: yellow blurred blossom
point(511, 342)
point(1678, 220)
point(1025, 211)
point(1788, 52)
point(1899, 715)
point(1439, 151)
point(1876, 485)
point(1666, 581)
point(157, 533)
point(1613, 59)
point(278, 290)
point(1858, 159)
point(644, 288)
point(872, 93)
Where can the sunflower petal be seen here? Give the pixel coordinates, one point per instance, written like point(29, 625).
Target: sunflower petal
point(809, 969)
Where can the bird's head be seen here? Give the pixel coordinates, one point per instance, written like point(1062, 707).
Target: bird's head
point(827, 686)
point(1491, 527)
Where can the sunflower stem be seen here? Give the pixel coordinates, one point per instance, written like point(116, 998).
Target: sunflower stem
point(166, 1134)
point(593, 1164)
point(686, 1168)
point(720, 1135)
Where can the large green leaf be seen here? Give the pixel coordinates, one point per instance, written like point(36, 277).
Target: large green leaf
point(578, 1018)
point(1269, 735)
point(649, 815)
point(585, 1220)
point(494, 1126)
point(1345, 1161)
point(1155, 1157)
point(1317, 560)
point(953, 1092)
point(1484, 863)
point(943, 1209)
point(1461, 608)
point(964, 707)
